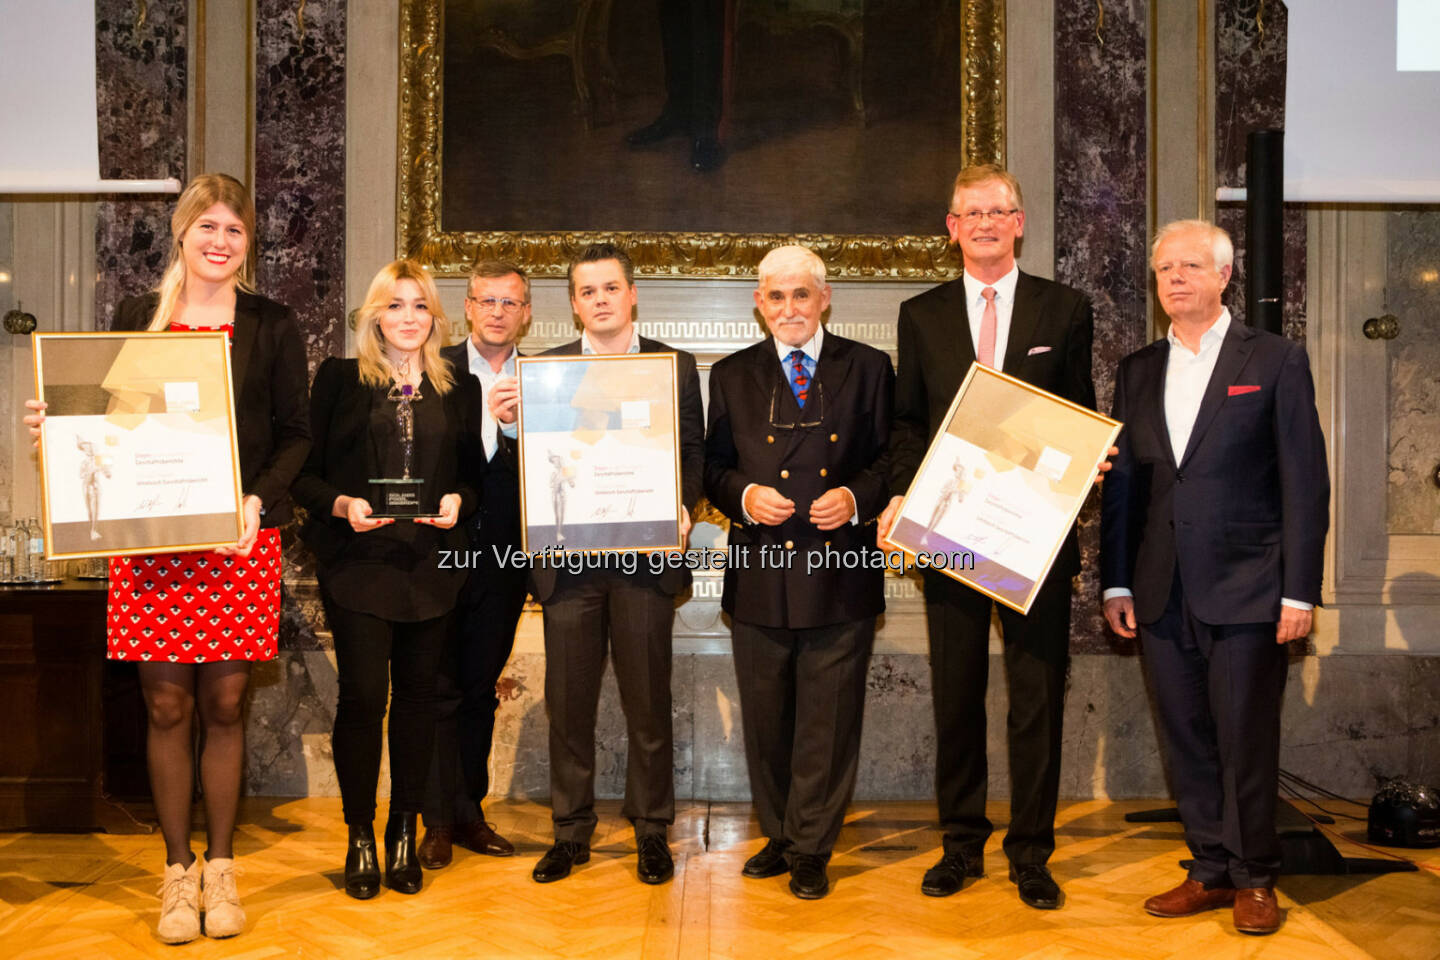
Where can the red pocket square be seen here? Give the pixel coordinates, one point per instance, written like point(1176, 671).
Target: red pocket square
point(1237, 390)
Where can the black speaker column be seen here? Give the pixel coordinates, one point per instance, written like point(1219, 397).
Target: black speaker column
point(1264, 230)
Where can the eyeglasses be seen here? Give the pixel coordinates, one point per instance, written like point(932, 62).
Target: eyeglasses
point(973, 218)
point(504, 303)
point(819, 406)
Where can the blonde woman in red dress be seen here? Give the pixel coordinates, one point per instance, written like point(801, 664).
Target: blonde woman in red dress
point(194, 622)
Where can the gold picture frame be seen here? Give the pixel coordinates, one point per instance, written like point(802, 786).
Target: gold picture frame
point(1001, 485)
point(420, 234)
point(606, 418)
point(138, 451)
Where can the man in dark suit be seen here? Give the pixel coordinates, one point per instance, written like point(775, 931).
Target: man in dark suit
point(1213, 532)
point(1040, 332)
point(797, 458)
point(632, 614)
point(497, 311)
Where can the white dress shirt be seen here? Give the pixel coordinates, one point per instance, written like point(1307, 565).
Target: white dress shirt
point(488, 378)
point(588, 349)
point(1187, 375)
point(1004, 308)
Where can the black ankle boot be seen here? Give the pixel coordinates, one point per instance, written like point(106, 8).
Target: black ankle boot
point(362, 864)
point(402, 864)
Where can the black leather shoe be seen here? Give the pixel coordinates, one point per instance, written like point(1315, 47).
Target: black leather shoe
point(558, 860)
point(661, 128)
point(807, 876)
point(769, 862)
point(402, 863)
point(948, 875)
point(656, 864)
point(1037, 888)
point(706, 154)
point(362, 863)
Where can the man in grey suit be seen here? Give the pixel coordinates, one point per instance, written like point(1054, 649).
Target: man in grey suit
point(631, 615)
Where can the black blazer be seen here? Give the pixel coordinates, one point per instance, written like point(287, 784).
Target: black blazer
point(692, 461)
point(1244, 513)
point(272, 421)
point(848, 447)
point(1054, 321)
point(342, 462)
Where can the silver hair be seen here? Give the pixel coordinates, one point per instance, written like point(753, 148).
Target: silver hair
point(1220, 246)
point(791, 259)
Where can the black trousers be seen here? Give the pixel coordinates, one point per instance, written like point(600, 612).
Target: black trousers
point(1219, 690)
point(632, 617)
point(476, 651)
point(1037, 663)
point(802, 699)
point(370, 655)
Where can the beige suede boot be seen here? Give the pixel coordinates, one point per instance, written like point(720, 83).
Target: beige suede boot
point(179, 904)
point(223, 916)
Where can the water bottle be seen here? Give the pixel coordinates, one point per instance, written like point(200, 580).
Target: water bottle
point(35, 547)
point(17, 546)
point(7, 554)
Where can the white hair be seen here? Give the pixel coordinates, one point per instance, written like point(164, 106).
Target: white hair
point(791, 259)
point(1220, 246)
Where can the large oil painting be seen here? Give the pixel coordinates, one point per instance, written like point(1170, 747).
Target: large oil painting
point(697, 132)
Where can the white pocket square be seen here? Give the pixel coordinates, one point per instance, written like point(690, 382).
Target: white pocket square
point(1037, 350)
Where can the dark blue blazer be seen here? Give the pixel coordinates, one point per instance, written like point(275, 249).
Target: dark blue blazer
point(1244, 512)
point(756, 437)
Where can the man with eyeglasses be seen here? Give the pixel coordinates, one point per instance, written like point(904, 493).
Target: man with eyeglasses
point(797, 458)
point(497, 309)
point(1212, 538)
point(1039, 331)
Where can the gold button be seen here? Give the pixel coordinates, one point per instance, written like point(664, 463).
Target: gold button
point(834, 437)
point(789, 544)
point(784, 474)
point(822, 471)
point(770, 439)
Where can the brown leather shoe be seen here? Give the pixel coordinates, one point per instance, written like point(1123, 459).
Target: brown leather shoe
point(1192, 896)
point(435, 849)
point(479, 836)
point(1256, 910)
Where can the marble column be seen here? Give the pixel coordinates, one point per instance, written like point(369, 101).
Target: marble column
point(1250, 95)
point(1100, 218)
point(140, 93)
point(300, 165)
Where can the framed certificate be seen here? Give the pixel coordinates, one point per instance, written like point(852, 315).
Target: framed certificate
point(138, 451)
point(1001, 485)
point(599, 452)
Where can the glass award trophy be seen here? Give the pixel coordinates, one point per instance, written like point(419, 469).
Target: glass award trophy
point(403, 496)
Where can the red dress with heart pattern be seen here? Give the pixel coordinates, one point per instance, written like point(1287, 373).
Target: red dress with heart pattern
point(196, 606)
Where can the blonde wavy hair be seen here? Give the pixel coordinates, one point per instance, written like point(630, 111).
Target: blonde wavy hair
point(375, 368)
point(201, 194)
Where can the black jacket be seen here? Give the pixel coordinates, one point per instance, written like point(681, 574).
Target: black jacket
point(849, 403)
point(344, 460)
point(272, 422)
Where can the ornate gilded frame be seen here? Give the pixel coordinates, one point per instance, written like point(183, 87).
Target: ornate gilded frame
point(547, 254)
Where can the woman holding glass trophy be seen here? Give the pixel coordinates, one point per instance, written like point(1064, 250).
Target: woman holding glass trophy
point(202, 659)
point(397, 449)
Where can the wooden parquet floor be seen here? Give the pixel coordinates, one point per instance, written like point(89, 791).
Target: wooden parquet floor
point(93, 896)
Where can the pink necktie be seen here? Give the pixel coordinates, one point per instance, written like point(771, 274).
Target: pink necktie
point(987, 328)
